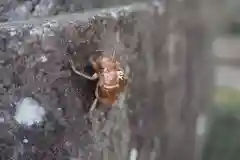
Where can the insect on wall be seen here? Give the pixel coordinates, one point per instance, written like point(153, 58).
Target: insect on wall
point(109, 74)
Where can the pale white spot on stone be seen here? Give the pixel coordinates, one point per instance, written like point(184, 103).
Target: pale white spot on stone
point(13, 33)
point(43, 59)
point(126, 8)
point(36, 31)
point(51, 24)
point(29, 112)
point(25, 140)
point(47, 32)
point(161, 9)
point(114, 14)
point(133, 154)
point(67, 143)
point(2, 120)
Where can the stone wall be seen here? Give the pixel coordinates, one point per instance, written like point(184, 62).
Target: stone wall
point(154, 119)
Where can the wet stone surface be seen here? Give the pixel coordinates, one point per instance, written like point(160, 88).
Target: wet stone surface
point(40, 96)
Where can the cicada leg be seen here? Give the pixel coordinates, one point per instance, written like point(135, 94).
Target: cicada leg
point(94, 77)
point(94, 104)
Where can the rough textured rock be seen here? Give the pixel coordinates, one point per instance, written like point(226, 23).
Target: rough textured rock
point(25, 9)
point(156, 116)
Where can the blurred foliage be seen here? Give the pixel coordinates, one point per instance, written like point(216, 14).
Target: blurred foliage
point(227, 97)
point(223, 142)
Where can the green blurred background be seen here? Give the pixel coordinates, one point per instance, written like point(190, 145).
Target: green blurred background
point(223, 137)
